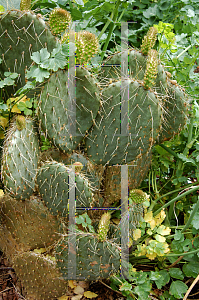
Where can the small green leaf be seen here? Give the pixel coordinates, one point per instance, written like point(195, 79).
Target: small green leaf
point(176, 273)
point(14, 75)
point(8, 81)
point(2, 84)
point(191, 269)
point(38, 73)
point(44, 54)
point(178, 289)
point(163, 280)
point(36, 57)
point(126, 286)
point(154, 275)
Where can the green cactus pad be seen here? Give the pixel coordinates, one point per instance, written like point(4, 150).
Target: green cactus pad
point(145, 115)
point(39, 276)
point(176, 111)
point(29, 222)
point(53, 185)
point(59, 20)
point(54, 110)
point(137, 171)
point(94, 259)
point(111, 68)
point(21, 34)
point(20, 159)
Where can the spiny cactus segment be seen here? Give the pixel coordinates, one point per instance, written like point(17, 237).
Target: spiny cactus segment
point(59, 20)
point(149, 40)
point(94, 259)
point(20, 158)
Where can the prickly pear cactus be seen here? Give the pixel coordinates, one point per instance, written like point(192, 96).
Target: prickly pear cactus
point(35, 223)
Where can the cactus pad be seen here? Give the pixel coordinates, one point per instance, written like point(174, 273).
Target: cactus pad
point(20, 159)
point(53, 184)
point(55, 112)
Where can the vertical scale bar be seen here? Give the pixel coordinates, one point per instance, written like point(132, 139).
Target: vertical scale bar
point(124, 132)
point(125, 219)
point(71, 85)
point(124, 75)
point(72, 132)
point(71, 228)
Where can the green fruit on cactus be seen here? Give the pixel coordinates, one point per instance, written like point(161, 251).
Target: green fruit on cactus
point(29, 222)
point(20, 122)
point(91, 46)
point(20, 159)
point(149, 40)
point(53, 181)
point(94, 259)
point(59, 20)
point(86, 43)
point(104, 142)
point(103, 226)
point(25, 5)
point(55, 112)
point(151, 69)
point(39, 276)
point(21, 34)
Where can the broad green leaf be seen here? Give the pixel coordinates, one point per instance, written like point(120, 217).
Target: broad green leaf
point(178, 289)
point(126, 286)
point(44, 54)
point(176, 273)
point(163, 280)
point(7, 74)
point(13, 75)
point(36, 57)
point(191, 269)
point(2, 84)
point(38, 73)
point(185, 159)
point(154, 275)
point(195, 220)
point(8, 81)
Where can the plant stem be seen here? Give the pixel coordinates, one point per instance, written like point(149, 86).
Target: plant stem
point(169, 193)
point(105, 26)
point(191, 190)
point(115, 13)
point(191, 216)
point(182, 254)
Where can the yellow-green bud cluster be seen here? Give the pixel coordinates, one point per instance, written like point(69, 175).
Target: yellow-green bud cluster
point(87, 45)
point(25, 5)
point(138, 196)
point(104, 226)
point(59, 20)
point(151, 69)
point(149, 40)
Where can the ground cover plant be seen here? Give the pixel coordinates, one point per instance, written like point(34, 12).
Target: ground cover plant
point(55, 149)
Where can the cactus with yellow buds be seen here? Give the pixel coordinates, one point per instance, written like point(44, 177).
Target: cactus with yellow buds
point(151, 69)
point(59, 20)
point(149, 40)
